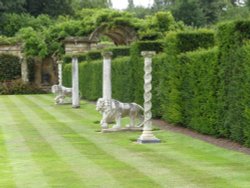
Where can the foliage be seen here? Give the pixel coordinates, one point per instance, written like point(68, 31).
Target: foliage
point(8, 40)
point(35, 8)
point(17, 87)
point(199, 90)
point(190, 13)
point(233, 77)
point(11, 23)
point(34, 42)
point(170, 86)
point(157, 25)
point(10, 67)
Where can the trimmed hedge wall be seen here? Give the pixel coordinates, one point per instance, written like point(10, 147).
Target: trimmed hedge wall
point(171, 78)
point(233, 92)
point(199, 89)
point(10, 67)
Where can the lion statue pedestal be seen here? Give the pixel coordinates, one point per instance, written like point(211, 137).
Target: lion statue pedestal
point(112, 111)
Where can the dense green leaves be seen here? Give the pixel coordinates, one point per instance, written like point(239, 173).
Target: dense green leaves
point(10, 67)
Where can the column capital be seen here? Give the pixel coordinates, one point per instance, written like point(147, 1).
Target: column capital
point(107, 55)
point(148, 54)
point(59, 62)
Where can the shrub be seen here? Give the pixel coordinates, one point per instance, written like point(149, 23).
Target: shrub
point(16, 87)
point(10, 67)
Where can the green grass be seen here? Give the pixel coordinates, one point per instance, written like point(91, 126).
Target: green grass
point(44, 145)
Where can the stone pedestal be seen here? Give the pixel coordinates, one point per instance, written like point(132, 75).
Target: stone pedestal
point(147, 134)
point(59, 63)
point(24, 70)
point(75, 83)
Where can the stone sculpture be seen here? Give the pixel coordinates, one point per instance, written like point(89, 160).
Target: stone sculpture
point(61, 93)
point(112, 111)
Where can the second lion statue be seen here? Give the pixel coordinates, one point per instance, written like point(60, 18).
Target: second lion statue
point(61, 92)
point(113, 110)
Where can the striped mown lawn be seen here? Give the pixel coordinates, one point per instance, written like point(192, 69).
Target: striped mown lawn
point(43, 145)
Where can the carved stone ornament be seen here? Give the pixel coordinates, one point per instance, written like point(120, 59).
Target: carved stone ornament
point(112, 111)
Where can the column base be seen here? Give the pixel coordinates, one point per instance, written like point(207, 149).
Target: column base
point(152, 141)
point(147, 137)
point(76, 106)
point(126, 129)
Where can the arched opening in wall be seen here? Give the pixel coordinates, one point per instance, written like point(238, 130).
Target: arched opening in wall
point(119, 35)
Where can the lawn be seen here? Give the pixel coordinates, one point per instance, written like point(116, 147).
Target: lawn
point(44, 145)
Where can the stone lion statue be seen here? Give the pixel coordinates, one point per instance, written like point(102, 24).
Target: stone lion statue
point(113, 110)
point(61, 92)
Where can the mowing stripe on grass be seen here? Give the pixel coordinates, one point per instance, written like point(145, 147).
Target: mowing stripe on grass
point(26, 171)
point(80, 164)
point(164, 176)
point(121, 171)
point(214, 169)
point(7, 179)
point(58, 173)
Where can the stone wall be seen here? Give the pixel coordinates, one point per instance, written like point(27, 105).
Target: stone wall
point(11, 49)
point(76, 45)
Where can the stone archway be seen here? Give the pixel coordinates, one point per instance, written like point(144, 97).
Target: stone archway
point(16, 50)
point(120, 35)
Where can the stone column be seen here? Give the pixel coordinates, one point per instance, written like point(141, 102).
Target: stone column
point(147, 134)
point(24, 69)
point(75, 83)
point(106, 78)
point(59, 63)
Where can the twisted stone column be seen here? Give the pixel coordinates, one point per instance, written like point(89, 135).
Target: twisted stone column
point(147, 134)
point(75, 83)
point(59, 63)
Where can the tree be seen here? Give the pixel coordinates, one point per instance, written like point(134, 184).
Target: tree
point(131, 4)
point(163, 5)
point(50, 7)
point(92, 4)
point(13, 6)
point(190, 12)
point(212, 9)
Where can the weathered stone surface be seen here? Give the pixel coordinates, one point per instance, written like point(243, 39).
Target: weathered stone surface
point(147, 134)
point(61, 93)
point(75, 83)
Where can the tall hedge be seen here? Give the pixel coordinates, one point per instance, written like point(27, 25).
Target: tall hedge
point(10, 67)
point(199, 90)
point(172, 75)
point(233, 98)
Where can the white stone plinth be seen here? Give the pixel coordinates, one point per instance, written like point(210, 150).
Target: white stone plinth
point(75, 83)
